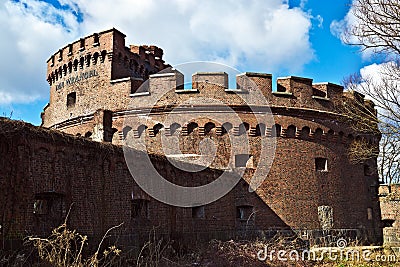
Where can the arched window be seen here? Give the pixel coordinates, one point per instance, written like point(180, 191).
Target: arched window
point(243, 128)
point(95, 58)
point(96, 40)
point(330, 134)
point(305, 132)
point(208, 127)
point(103, 55)
point(260, 129)
point(70, 67)
point(125, 131)
point(191, 127)
point(88, 58)
point(76, 65)
point(88, 134)
point(71, 99)
point(276, 130)
point(81, 62)
point(318, 134)
point(174, 127)
point(226, 127)
point(141, 129)
point(340, 136)
point(157, 128)
point(350, 138)
point(291, 131)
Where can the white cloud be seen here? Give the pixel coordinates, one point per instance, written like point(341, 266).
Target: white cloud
point(263, 36)
point(340, 27)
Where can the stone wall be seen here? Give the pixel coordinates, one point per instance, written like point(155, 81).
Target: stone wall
point(390, 208)
point(44, 172)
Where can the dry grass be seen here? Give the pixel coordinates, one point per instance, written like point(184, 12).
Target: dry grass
point(64, 248)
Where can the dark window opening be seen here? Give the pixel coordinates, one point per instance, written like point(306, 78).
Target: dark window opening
point(260, 129)
point(318, 134)
point(96, 40)
point(225, 128)
point(280, 88)
point(140, 208)
point(48, 203)
point(198, 212)
point(321, 164)
point(387, 223)
point(305, 132)
point(243, 128)
point(208, 127)
point(191, 127)
point(95, 58)
point(340, 136)
point(174, 127)
point(276, 130)
point(243, 160)
point(70, 49)
point(76, 65)
point(244, 212)
point(71, 99)
point(60, 55)
point(88, 134)
point(40, 207)
point(367, 170)
point(157, 128)
point(291, 131)
point(369, 214)
point(141, 129)
point(125, 131)
point(82, 44)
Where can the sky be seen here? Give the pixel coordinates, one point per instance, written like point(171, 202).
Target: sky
point(281, 37)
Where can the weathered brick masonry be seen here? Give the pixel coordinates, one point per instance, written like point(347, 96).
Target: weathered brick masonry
point(389, 200)
point(107, 92)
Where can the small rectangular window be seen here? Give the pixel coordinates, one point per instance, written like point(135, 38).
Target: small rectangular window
point(96, 41)
point(369, 214)
point(40, 207)
point(243, 160)
point(244, 212)
point(321, 164)
point(82, 44)
point(140, 208)
point(71, 99)
point(367, 170)
point(198, 212)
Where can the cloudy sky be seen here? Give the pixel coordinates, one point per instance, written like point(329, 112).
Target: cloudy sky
point(299, 37)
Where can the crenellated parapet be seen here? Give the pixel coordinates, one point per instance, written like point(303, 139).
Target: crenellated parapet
point(98, 48)
point(290, 92)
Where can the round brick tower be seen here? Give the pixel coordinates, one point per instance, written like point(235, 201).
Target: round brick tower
point(96, 84)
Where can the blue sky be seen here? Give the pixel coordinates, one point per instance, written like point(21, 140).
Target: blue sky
point(300, 38)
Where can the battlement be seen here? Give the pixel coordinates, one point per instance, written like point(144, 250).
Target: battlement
point(106, 46)
point(385, 190)
point(291, 92)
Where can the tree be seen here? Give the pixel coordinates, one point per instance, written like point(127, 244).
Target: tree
point(375, 27)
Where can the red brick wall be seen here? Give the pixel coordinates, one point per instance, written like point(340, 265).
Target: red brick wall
point(38, 163)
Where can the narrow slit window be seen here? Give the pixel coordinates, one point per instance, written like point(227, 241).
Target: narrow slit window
point(71, 99)
point(244, 212)
point(321, 164)
point(243, 160)
point(198, 212)
point(140, 208)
